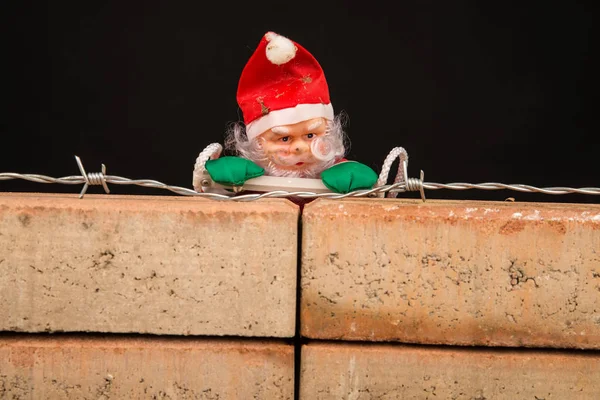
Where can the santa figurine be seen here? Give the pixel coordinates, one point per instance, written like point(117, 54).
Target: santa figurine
point(289, 128)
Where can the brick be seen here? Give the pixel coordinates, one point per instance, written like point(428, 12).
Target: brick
point(71, 367)
point(147, 264)
point(377, 371)
point(448, 272)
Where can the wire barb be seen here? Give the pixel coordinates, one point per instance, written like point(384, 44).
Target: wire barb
point(401, 185)
point(413, 184)
point(93, 178)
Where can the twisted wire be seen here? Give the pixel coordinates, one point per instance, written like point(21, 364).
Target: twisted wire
point(515, 187)
point(408, 185)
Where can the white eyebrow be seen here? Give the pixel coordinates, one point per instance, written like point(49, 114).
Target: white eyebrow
point(315, 124)
point(280, 130)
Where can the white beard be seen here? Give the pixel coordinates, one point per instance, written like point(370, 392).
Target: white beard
point(314, 171)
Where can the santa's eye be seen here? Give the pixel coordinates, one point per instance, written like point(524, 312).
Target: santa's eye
point(285, 139)
point(310, 135)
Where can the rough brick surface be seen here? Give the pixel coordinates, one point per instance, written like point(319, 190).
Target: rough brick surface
point(482, 273)
point(147, 264)
point(97, 368)
point(350, 371)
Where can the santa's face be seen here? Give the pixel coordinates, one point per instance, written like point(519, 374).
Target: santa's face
point(288, 148)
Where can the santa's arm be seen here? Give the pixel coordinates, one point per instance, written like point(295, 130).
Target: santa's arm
point(348, 176)
point(233, 171)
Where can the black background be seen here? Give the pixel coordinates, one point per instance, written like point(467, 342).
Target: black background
point(475, 91)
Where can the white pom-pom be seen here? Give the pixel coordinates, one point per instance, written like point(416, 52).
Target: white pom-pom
point(280, 49)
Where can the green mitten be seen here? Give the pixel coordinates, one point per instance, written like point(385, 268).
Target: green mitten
point(349, 176)
point(232, 171)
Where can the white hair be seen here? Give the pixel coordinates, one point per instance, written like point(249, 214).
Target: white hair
point(327, 148)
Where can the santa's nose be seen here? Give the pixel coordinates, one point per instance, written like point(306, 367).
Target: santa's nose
point(300, 147)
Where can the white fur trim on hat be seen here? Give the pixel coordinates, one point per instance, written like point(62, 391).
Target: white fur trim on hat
point(280, 49)
point(288, 116)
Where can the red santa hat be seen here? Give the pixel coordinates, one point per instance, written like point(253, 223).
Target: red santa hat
point(282, 84)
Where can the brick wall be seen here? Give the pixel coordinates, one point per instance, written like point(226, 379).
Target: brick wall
point(474, 300)
point(172, 297)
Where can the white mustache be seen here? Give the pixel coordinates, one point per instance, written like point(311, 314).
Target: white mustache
point(311, 171)
point(291, 160)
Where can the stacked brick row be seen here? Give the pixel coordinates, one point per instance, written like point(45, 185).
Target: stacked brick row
point(211, 286)
point(450, 300)
point(181, 298)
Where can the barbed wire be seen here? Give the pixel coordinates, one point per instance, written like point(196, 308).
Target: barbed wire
point(408, 185)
